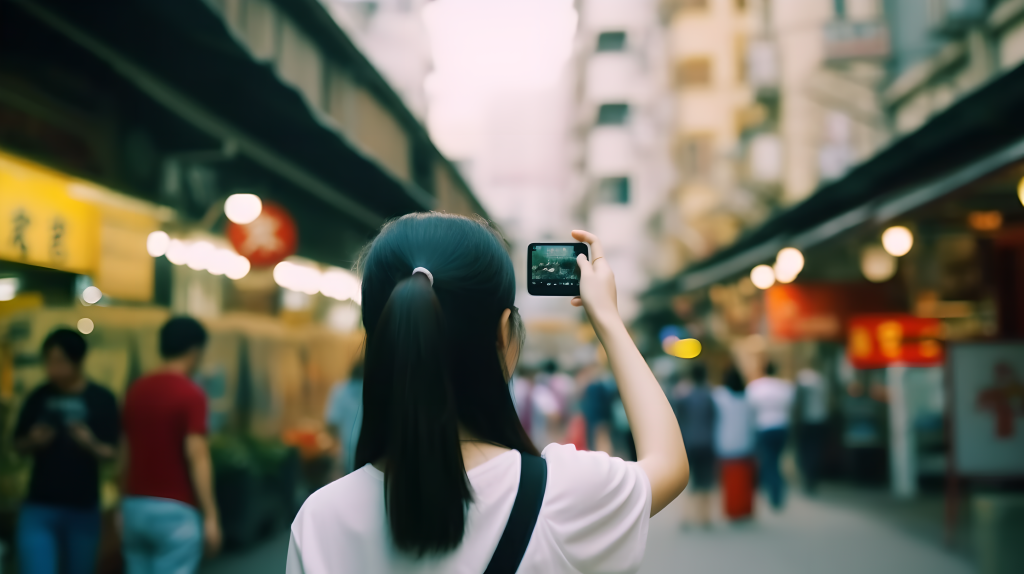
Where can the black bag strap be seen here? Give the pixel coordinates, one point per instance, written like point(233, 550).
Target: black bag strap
point(533, 479)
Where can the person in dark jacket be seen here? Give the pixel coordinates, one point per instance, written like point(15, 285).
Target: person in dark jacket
point(695, 411)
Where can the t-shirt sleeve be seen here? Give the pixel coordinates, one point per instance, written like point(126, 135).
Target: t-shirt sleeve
point(106, 425)
point(195, 413)
point(294, 563)
point(597, 508)
point(29, 414)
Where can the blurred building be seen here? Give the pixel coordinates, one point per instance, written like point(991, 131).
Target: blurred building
point(882, 142)
point(393, 36)
point(621, 126)
point(125, 131)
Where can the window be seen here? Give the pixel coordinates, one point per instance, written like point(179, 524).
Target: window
point(693, 72)
point(697, 156)
point(613, 190)
point(612, 114)
point(611, 42)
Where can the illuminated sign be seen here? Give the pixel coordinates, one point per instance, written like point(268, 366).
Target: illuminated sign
point(40, 224)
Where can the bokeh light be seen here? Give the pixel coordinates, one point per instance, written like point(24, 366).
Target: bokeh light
point(897, 240)
point(762, 276)
point(685, 348)
point(177, 252)
point(85, 325)
point(91, 295)
point(877, 265)
point(788, 264)
point(157, 243)
point(243, 208)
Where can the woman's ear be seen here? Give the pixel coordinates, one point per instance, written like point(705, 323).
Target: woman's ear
point(504, 330)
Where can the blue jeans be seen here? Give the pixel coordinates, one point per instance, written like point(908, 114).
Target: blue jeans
point(161, 536)
point(52, 537)
point(769, 448)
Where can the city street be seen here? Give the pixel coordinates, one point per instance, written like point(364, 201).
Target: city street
point(808, 537)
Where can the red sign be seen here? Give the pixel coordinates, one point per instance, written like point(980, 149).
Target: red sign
point(267, 240)
point(877, 341)
point(822, 311)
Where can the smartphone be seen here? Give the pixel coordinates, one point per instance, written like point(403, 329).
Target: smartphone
point(552, 268)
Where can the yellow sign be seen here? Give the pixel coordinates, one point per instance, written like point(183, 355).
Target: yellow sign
point(40, 224)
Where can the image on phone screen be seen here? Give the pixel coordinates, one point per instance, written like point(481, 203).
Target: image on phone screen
point(552, 268)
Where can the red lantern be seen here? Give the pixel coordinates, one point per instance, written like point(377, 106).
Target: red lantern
point(268, 239)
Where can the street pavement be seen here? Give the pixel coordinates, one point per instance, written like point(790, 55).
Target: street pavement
point(809, 536)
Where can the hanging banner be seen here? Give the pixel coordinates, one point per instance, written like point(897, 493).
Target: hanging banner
point(878, 341)
point(40, 224)
point(267, 240)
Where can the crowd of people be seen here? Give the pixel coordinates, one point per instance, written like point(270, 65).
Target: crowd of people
point(157, 439)
point(735, 432)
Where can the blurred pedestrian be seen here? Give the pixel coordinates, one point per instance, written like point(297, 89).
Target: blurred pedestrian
point(68, 425)
point(772, 400)
point(344, 418)
point(596, 405)
point(735, 434)
point(812, 398)
point(695, 412)
point(169, 511)
point(522, 390)
point(447, 479)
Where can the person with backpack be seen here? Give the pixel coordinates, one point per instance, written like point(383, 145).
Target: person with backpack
point(447, 479)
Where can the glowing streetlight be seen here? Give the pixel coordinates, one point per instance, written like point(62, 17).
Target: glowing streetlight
point(157, 243)
point(897, 240)
point(788, 264)
point(243, 208)
point(762, 276)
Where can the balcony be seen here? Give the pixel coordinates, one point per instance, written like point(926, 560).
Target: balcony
point(845, 40)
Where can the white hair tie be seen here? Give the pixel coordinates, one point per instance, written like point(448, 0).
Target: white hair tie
point(424, 271)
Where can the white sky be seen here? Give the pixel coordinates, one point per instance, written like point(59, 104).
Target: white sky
point(484, 49)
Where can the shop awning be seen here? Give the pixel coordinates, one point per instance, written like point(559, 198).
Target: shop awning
point(980, 134)
point(182, 55)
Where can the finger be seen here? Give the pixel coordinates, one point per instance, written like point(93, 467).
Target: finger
point(596, 250)
point(576, 302)
point(586, 267)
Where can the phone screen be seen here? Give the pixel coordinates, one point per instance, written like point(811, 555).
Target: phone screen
point(552, 268)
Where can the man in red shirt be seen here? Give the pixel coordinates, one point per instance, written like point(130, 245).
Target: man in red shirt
point(169, 510)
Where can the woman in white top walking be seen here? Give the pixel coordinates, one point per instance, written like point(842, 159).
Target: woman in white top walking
point(441, 449)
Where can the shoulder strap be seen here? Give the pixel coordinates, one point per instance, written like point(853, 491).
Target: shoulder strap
point(533, 479)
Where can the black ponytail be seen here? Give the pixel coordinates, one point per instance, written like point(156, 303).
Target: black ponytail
point(432, 364)
point(424, 476)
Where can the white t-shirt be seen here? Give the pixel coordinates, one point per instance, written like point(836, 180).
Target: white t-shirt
point(772, 400)
point(594, 518)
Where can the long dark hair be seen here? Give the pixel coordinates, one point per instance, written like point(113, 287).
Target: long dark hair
point(432, 363)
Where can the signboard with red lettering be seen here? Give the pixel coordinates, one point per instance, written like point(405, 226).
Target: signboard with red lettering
point(268, 239)
point(879, 340)
point(987, 404)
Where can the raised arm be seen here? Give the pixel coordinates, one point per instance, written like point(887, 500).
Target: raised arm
point(659, 443)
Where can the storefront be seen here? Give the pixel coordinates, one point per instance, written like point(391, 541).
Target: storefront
point(122, 151)
point(875, 278)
